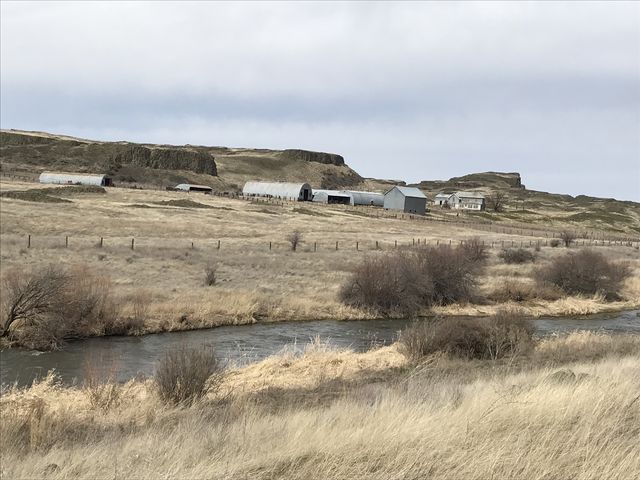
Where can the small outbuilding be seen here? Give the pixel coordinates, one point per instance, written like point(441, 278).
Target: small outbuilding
point(190, 187)
point(282, 190)
point(332, 197)
point(442, 199)
point(406, 199)
point(64, 178)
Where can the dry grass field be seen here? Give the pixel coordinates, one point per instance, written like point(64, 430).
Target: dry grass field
point(568, 410)
point(163, 277)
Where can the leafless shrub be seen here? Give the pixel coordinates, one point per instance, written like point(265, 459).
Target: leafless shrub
point(475, 249)
point(585, 272)
point(517, 255)
point(27, 296)
point(52, 305)
point(294, 239)
point(554, 243)
point(505, 334)
point(184, 375)
point(210, 271)
point(496, 201)
point(406, 281)
point(567, 237)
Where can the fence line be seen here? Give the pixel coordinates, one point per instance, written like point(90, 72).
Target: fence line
point(133, 243)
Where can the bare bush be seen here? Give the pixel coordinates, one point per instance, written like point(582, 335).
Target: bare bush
point(475, 249)
point(406, 281)
point(518, 291)
point(554, 243)
point(496, 201)
point(210, 271)
point(504, 334)
point(517, 255)
point(29, 296)
point(184, 375)
point(585, 272)
point(567, 237)
point(294, 239)
point(44, 308)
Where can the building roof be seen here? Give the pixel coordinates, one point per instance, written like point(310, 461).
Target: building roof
point(187, 186)
point(274, 189)
point(443, 195)
point(470, 195)
point(71, 174)
point(366, 198)
point(410, 192)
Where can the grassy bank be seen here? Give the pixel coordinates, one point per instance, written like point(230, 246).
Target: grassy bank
point(569, 409)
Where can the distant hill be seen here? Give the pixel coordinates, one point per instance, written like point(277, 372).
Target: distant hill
point(29, 153)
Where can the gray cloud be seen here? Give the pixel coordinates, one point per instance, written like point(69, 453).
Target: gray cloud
point(411, 90)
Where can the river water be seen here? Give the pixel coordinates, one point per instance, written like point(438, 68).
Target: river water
point(129, 357)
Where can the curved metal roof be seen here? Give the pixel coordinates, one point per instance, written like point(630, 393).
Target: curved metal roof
point(322, 195)
point(367, 198)
point(70, 178)
point(292, 191)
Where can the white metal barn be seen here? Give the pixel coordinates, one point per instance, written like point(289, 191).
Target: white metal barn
point(367, 198)
point(190, 187)
point(333, 197)
point(62, 178)
point(442, 199)
point(287, 191)
point(406, 199)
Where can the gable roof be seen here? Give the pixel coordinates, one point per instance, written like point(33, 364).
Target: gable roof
point(410, 192)
point(469, 195)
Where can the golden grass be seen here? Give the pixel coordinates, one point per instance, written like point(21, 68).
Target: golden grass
point(254, 283)
point(338, 414)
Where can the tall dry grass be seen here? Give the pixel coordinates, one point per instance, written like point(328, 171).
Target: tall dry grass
point(446, 419)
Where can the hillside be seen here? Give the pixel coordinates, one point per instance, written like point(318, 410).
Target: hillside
point(29, 153)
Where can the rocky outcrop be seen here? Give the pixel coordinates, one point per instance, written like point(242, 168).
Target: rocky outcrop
point(167, 159)
point(307, 156)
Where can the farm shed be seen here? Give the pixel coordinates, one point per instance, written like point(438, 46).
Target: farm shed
point(442, 199)
point(190, 187)
point(467, 201)
point(406, 199)
point(332, 196)
point(367, 198)
point(282, 190)
point(63, 178)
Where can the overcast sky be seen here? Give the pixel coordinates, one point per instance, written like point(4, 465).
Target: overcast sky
point(409, 91)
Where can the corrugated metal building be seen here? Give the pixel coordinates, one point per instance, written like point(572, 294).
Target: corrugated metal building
point(64, 178)
point(442, 199)
point(406, 199)
point(288, 191)
point(367, 198)
point(333, 196)
point(190, 187)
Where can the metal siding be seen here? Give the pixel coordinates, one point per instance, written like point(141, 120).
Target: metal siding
point(289, 191)
point(72, 178)
point(322, 196)
point(366, 198)
point(395, 199)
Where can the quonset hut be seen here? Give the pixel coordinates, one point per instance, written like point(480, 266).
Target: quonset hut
point(367, 198)
point(287, 191)
point(333, 197)
point(190, 187)
point(63, 178)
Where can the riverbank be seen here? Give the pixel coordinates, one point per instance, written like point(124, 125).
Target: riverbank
point(569, 408)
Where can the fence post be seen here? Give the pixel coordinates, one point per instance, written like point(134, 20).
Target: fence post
point(396, 243)
point(315, 246)
point(29, 241)
point(376, 244)
point(192, 247)
point(101, 242)
point(336, 246)
point(133, 241)
point(66, 241)
point(218, 244)
point(269, 246)
point(356, 245)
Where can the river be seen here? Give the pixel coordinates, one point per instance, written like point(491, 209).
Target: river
point(133, 357)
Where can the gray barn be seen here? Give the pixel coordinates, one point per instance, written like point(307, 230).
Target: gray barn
point(406, 199)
